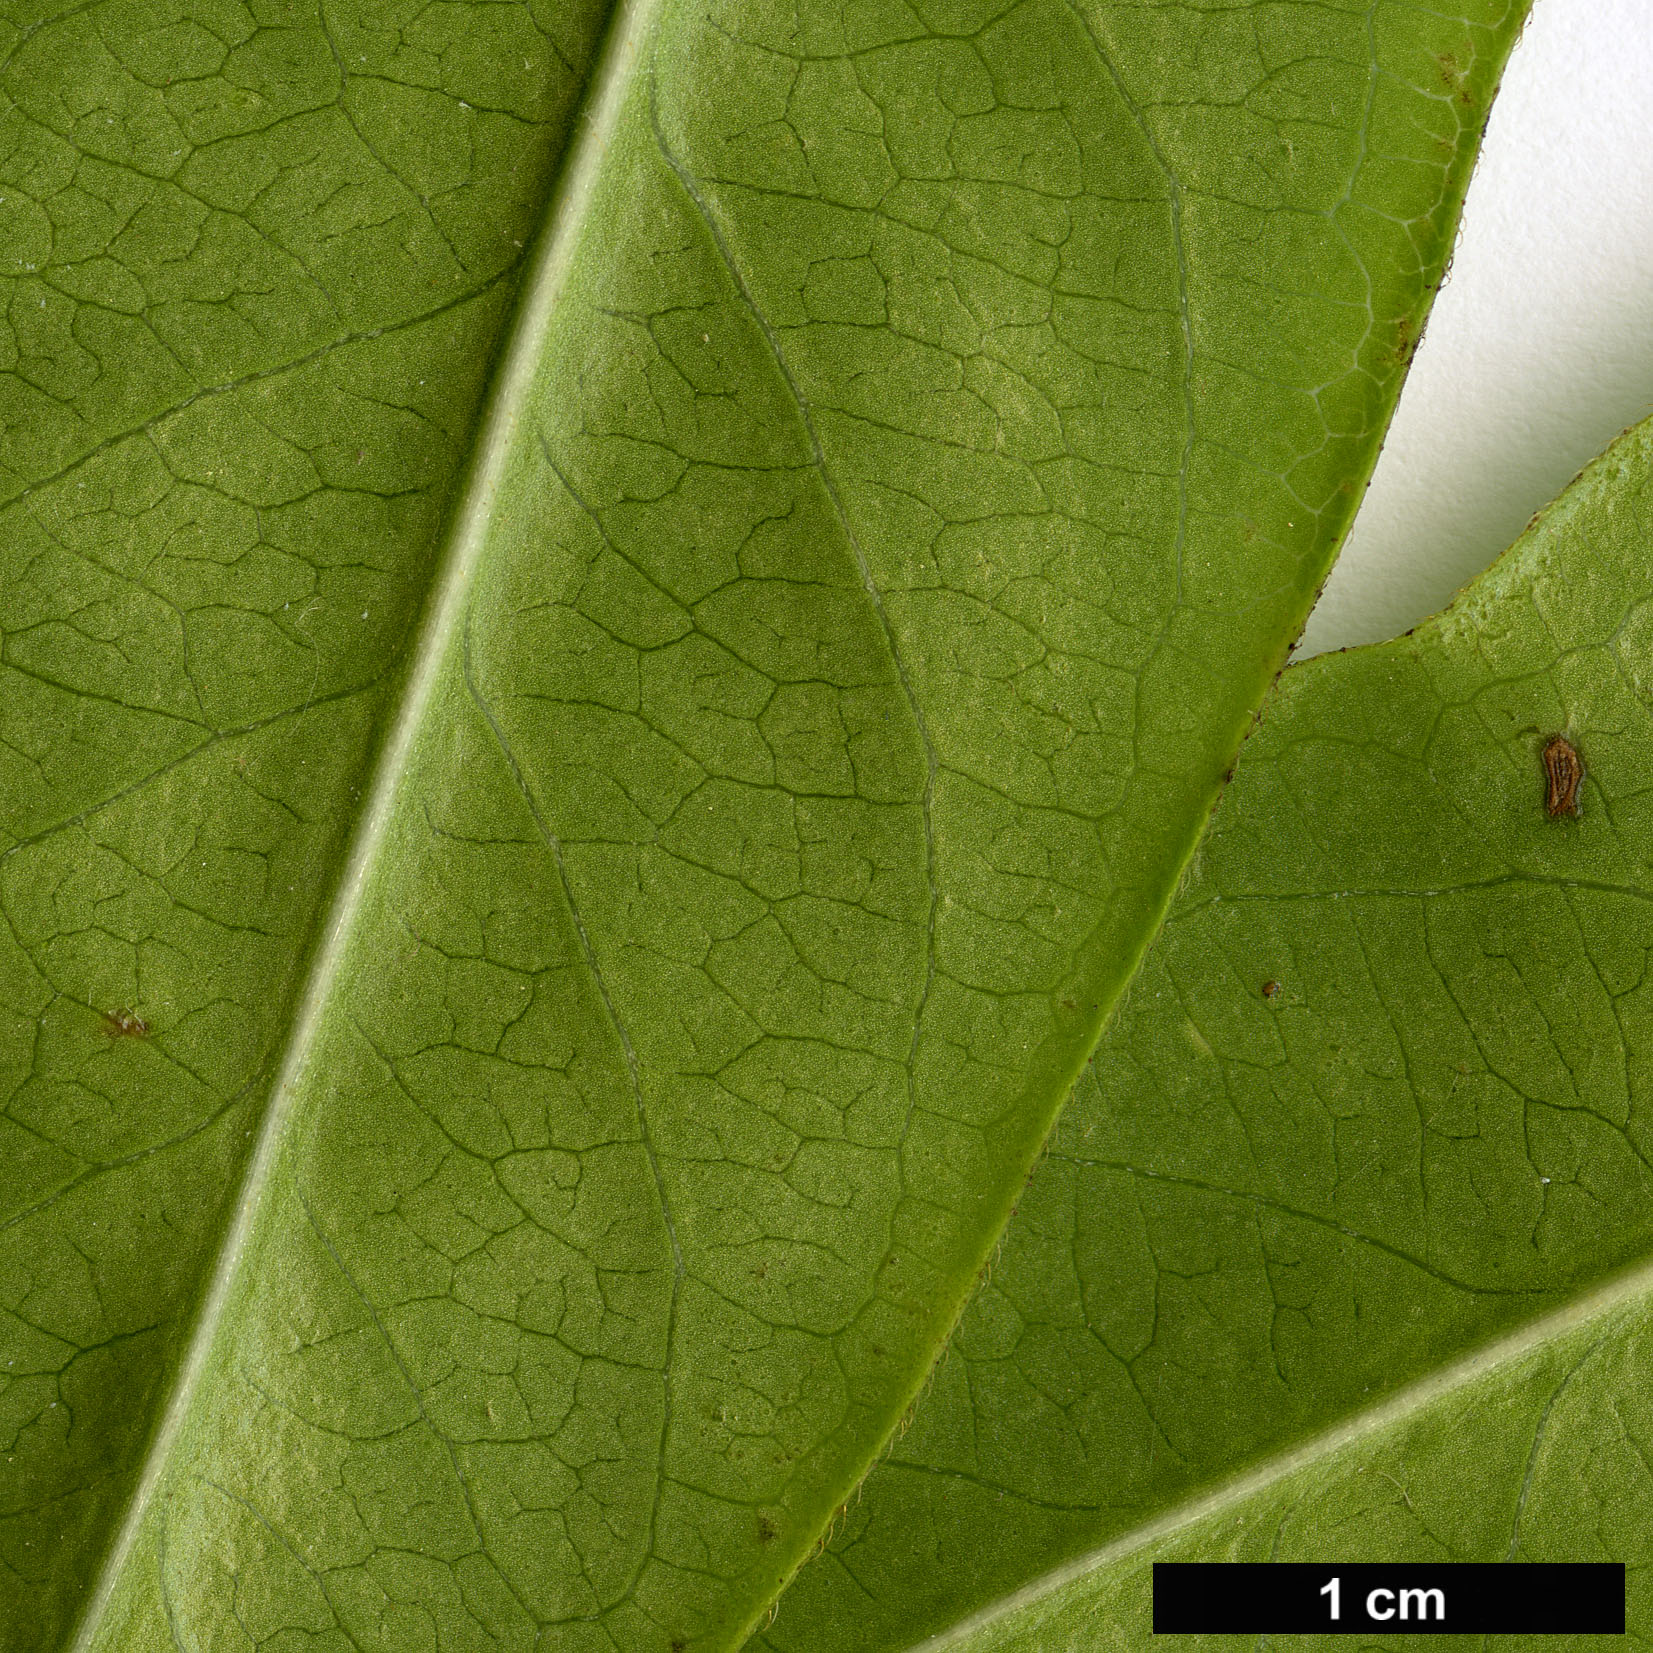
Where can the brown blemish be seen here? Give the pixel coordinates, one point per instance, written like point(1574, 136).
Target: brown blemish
point(1563, 775)
point(1406, 341)
point(1455, 78)
point(1270, 988)
point(124, 1024)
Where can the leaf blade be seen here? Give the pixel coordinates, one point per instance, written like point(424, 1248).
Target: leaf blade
point(546, 893)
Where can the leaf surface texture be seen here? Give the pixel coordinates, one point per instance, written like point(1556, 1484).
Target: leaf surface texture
point(505, 1109)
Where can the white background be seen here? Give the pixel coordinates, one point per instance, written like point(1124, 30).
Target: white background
point(1540, 346)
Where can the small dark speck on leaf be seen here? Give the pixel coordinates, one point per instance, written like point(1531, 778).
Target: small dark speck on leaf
point(1270, 988)
point(766, 1530)
point(1563, 776)
point(124, 1024)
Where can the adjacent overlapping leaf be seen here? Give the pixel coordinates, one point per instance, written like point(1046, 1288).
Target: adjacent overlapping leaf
point(1379, 1090)
point(923, 431)
point(1535, 1451)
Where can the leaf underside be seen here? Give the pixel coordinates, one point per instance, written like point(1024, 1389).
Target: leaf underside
point(867, 569)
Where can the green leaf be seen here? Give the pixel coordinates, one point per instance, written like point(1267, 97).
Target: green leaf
point(257, 262)
point(1533, 1450)
point(504, 1111)
point(1264, 1210)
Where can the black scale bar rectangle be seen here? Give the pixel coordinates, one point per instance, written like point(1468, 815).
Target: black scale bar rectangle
point(1547, 1598)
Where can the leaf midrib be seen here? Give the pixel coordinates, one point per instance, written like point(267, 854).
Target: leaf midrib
point(545, 277)
point(1593, 1306)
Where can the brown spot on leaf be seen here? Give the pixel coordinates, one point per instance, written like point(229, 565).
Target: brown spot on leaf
point(1406, 341)
point(1270, 988)
point(1563, 776)
point(124, 1024)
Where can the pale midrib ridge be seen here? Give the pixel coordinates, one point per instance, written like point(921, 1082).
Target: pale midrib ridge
point(1589, 1307)
point(628, 34)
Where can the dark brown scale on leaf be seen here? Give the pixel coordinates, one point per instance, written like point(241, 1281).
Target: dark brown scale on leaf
point(124, 1024)
point(1270, 988)
point(1564, 773)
